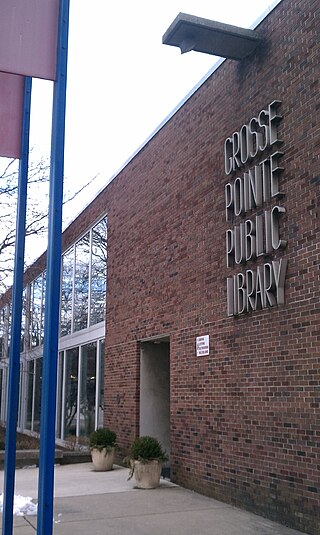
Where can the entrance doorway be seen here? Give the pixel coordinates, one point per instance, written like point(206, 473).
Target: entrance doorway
point(155, 390)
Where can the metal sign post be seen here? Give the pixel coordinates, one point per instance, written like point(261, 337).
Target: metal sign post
point(51, 320)
point(14, 358)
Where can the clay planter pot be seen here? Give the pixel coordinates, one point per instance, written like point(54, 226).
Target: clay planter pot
point(147, 474)
point(103, 459)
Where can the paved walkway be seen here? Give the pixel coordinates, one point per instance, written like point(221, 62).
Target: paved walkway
point(105, 503)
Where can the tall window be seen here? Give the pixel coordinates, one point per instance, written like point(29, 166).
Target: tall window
point(36, 312)
point(32, 321)
point(67, 292)
point(2, 332)
point(59, 429)
point(30, 393)
point(8, 319)
point(80, 391)
point(4, 387)
point(83, 289)
point(88, 389)
point(23, 320)
point(37, 394)
point(98, 272)
point(71, 393)
point(81, 283)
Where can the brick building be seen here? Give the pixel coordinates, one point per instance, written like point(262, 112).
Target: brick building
point(212, 338)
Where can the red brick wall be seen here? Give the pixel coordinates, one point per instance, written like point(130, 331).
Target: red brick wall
point(245, 419)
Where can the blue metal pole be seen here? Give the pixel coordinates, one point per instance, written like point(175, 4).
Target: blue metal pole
point(14, 357)
point(51, 320)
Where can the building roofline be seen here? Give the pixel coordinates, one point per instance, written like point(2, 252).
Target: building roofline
point(180, 104)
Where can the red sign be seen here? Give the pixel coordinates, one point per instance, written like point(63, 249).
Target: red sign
point(28, 37)
point(28, 47)
point(11, 100)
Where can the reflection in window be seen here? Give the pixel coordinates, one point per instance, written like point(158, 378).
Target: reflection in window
point(59, 395)
point(36, 312)
point(2, 333)
point(30, 382)
point(98, 272)
point(88, 389)
point(81, 283)
point(23, 320)
point(66, 294)
point(71, 393)
point(37, 397)
point(4, 394)
point(84, 271)
point(20, 408)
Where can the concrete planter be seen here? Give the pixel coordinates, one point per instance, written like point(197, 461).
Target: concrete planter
point(103, 459)
point(147, 474)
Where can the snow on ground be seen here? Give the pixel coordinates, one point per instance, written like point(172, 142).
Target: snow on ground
point(22, 506)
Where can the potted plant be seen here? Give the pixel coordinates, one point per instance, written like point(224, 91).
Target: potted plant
point(103, 446)
point(145, 461)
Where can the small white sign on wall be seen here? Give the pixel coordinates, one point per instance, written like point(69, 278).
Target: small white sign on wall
point(202, 345)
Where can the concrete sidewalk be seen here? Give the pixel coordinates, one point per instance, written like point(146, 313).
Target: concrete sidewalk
point(105, 503)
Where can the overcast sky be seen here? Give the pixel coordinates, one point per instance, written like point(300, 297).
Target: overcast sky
point(122, 82)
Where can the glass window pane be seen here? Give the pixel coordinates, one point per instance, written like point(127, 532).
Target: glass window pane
point(59, 395)
point(23, 320)
point(98, 272)
point(4, 332)
point(37, 397)
point(1, 333)
point(71, 393)
point(81, 283)
point(36, 312)
point(20, 407)
point(88, 389)
point(4, 394)
point(30, 379)
point(101, 388)
point(28, 314)
point(66, 292)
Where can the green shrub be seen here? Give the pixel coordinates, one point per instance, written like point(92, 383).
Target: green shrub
point(147, 449)
point(102, 438)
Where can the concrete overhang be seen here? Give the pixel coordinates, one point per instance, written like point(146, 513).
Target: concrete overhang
point(189, 32)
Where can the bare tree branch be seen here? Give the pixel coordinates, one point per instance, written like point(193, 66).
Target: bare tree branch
point(37, 210)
